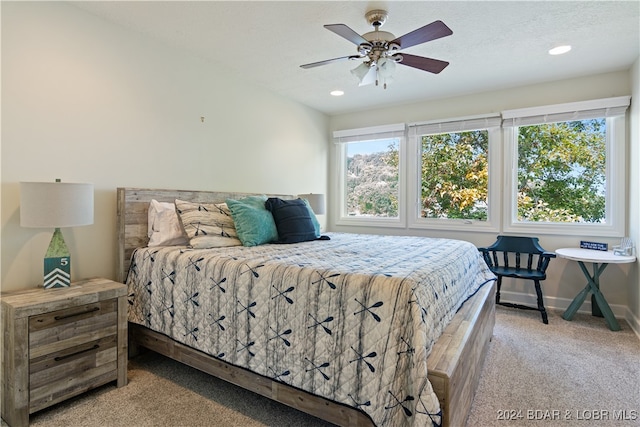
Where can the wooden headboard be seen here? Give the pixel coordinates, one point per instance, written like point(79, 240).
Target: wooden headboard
point(132, 207)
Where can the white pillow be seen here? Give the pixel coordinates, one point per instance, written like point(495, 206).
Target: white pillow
point(165, 228)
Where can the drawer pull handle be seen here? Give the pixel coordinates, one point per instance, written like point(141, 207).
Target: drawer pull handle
point(77, 314)
point(59, 358)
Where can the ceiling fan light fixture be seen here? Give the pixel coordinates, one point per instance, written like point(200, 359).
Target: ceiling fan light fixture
point(385, 69)
point(361, 71)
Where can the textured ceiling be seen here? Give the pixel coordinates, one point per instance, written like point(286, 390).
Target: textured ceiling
point(494, 45)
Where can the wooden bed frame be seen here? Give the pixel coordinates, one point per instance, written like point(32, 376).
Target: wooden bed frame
point(454, 364)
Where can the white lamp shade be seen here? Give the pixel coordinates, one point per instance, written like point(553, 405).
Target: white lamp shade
point(55, 204)
point(316, 201)
point(366, 75)
point(386, 67)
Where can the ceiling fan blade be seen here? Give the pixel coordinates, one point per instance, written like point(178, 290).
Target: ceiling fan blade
point(327, 61)
point(346, 32)
point(422, 63)
point(433, 31)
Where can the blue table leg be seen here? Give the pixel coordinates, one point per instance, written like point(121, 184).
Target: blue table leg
point(575, 304)
point(595, 308)
point(598, 302)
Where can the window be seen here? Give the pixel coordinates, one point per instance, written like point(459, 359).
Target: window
point(557, 169)
point(370, 178)
point(452, 172)
point(454, 175)
point(568, 169)
point(562, 172)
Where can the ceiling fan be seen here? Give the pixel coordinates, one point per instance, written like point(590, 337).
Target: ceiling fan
point(381, 49)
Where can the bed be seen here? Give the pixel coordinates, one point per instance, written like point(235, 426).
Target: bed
point(315, 325)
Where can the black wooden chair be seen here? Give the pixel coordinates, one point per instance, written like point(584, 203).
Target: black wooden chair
point(505, 259)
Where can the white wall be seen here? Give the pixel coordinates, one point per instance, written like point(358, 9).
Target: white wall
point(86, 101)
point(564, 278)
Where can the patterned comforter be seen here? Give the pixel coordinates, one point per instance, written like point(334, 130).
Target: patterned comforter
point(351, 319)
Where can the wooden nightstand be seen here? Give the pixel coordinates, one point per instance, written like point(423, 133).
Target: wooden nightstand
point(60, 342)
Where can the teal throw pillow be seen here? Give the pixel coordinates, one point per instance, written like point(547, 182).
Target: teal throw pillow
point(254, 223)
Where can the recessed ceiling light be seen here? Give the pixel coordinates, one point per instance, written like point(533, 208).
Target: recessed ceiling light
point(337, 92)
point(559, 50)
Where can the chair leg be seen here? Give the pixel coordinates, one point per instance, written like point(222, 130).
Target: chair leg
point(541, 303)
point(499, 283)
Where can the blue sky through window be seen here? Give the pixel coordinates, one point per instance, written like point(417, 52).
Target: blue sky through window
point(370, 147)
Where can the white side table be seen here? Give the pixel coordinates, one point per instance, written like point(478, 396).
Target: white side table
point(600, 260)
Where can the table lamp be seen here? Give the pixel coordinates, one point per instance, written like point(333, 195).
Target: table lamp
point(56, 205)
point(316, 201)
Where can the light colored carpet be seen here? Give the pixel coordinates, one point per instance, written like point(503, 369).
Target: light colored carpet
point(575, 373)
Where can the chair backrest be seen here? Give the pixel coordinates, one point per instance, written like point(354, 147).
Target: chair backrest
point(517, 245)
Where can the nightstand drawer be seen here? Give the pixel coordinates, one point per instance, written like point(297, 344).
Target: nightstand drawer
point(57, 376)
point(58, 330)
point(71, 350)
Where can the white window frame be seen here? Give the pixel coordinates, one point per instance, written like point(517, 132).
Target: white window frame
point(613, 109)
point(341, 139)
point(491, 123)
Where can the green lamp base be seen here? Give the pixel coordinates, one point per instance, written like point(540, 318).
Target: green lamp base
point(57, 263)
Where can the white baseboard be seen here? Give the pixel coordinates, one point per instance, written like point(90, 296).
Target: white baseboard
point(561, 304)
point(633, 321)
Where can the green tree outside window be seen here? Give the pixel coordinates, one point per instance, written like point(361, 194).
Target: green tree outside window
point(561, 175)
point(562, 172)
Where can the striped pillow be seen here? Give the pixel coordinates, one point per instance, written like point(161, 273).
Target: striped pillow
point(207, 225)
